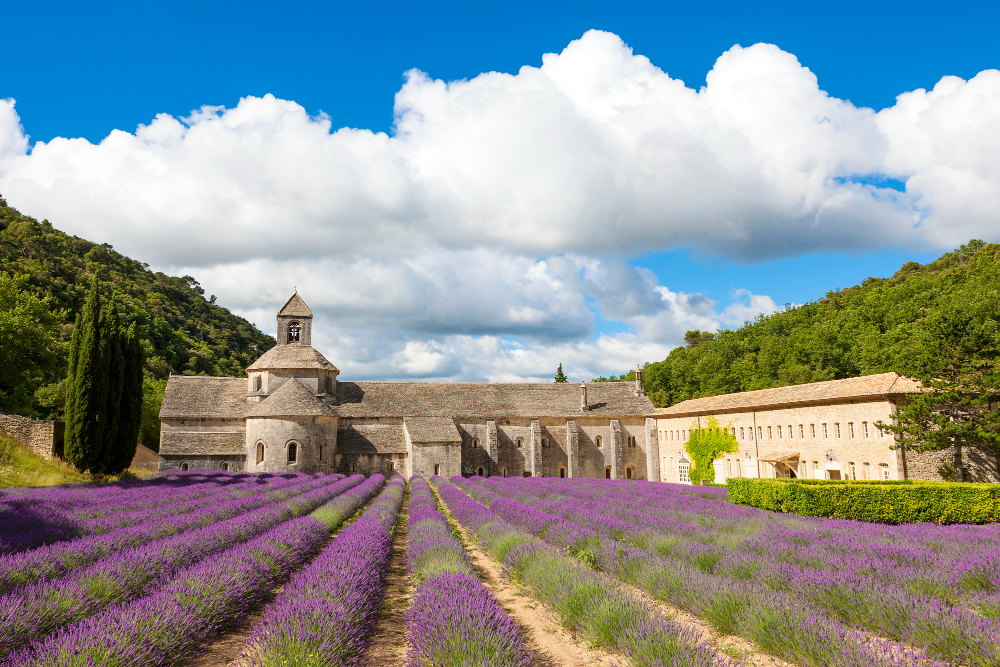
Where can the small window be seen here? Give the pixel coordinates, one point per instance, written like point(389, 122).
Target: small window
point(790, 432)
point(503, 471)
point(826, 434)
point(260, 452)
point(293, 332)
point(741, 434)
point(475, 443)
point(293, 452)
point(322, 451)
point(760, 432)
point(802, 432)
point(729, 467)
point(815, 468)
point(436, 468)
point(628, 472)
point(812, 430)
point(854, 470)
point(480, 471)
point(779, 432)
point(770, 435)
point(562, 472)
point(225, 466)
point(607, 472)
point(804, 469)
point(884, 469)
point(256, 383)
point(850, 429)
point(354, 467)
point(519, 442)
point(864, 429)
point(597, 441)
point(868, 470)
point(739, 468)
point(683, 471)
point(184, 466)
point(392, 465)
point(836, 427)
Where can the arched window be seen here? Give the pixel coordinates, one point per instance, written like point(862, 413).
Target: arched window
point(628, 472)
point(354, 467)
point(293, 332)
point(293, 452)
point(607, 472)
point(562, 472)
point(475, 443)
point(225, 466)
point(322, 451)
point(392, 465)
point(503, 471)
point(480, 471)
point(519, 442)
point(260, 452)
point(597, 441)
point(184, 466)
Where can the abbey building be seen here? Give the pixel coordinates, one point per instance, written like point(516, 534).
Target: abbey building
point(293, 413)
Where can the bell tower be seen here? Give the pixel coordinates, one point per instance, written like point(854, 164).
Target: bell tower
point(295, 322)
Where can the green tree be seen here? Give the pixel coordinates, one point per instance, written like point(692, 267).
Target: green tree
point(560, 376)
point(152, 399)
point(956, 357)
point(27, 337)
point(131, 402)
point(706, 445)
point(86, 386)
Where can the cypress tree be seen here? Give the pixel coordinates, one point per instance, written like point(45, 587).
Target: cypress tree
point(130, 403)
point(113, 357)
point(86, 386)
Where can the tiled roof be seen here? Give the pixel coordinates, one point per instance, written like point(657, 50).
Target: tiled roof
point(291, 399)
point(295, 307)
point(178, 443)
point(432, 429)
point(201, 396)
point(371, 439)
point(491, 400)
point(291, 356)
point(867, 386)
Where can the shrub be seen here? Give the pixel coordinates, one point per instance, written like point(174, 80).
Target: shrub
point(873, 502)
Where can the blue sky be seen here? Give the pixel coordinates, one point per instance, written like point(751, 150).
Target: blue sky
point(84, 71)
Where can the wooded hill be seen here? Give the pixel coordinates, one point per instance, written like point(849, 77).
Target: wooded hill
point(182, 331)
point(875, 327)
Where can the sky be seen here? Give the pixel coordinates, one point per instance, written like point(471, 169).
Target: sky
point(473, 192)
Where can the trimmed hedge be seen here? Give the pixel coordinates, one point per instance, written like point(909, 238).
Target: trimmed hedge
point(874, 502)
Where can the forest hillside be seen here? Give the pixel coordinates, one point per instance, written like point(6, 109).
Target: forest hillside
point(873, 327)
point(44, 277)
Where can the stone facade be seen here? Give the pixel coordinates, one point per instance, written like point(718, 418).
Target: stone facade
point(42, 436)
point(292, 412)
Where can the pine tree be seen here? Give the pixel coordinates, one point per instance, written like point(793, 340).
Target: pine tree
point(560, 376)
point(85, 389)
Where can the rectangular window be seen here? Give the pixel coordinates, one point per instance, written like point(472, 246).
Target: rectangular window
point(868, 471)
point(760, 432)
point(884, 469)
point(854, 472)
point(739, 470)
point(850, 429)
point(682, 473)
point(802, 432)
point(435, 469)
point(804, 469)
point(790, 436)
point(812, 430)
point(729, 467)
point(741, 434)
point(770, 434)
point(836, 425)
point(816, 469)
point(779, 432)
point(864, 428)
point(826, 434)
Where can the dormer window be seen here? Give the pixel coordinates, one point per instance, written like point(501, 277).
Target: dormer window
point(293, 332)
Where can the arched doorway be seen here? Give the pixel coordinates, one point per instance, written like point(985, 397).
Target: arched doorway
point(607, 472)
point(480, 471)
point(562, 472)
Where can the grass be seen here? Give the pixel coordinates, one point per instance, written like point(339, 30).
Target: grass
point(19, 466)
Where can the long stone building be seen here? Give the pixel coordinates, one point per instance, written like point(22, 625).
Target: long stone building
point(293, 413)
point(822, 430)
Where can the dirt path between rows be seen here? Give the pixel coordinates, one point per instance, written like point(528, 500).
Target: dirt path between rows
point(388, 645)
point(553, 645)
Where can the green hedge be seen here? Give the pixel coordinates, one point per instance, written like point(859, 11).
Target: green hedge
point(874, 502)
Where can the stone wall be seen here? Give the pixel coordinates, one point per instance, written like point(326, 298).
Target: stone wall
point(202, 462)
point(43, 437)
point(978, 465)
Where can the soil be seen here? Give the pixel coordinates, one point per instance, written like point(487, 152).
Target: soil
point(388, 645)
point(553, 645)
point(226, 648)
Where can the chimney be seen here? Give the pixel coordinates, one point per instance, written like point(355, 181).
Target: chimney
point(583, 397)
point(638, 382)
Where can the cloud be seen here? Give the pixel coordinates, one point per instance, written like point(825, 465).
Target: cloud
point(489, 231)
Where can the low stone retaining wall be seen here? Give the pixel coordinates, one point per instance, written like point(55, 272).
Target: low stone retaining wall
point(42, 436)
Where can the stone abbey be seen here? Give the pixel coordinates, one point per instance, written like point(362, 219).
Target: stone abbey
point(293, 413)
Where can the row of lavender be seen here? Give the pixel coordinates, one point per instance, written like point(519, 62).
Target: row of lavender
point(31, 612)
point(58, 559)
point(62, 514)
point(170, 622)
point(587, 602)
point(746, 573)
point(453, 619)
point(925, 584)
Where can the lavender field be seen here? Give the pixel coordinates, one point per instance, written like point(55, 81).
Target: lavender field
point(212, 567)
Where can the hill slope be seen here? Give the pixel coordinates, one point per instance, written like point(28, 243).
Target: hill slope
point(182, 331)
point(856, 331)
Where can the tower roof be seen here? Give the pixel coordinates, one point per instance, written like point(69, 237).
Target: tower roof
point(295, 307)
point(291, 399)
point(294, 356)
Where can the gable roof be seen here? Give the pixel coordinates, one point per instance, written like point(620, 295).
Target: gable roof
point(202, 396)
point(181, 443)
point(371, 439)
point(489, 400)
point(291, 356)
point(431, 429)
point(866, 386)
point(291, 399)
point(295, 307)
